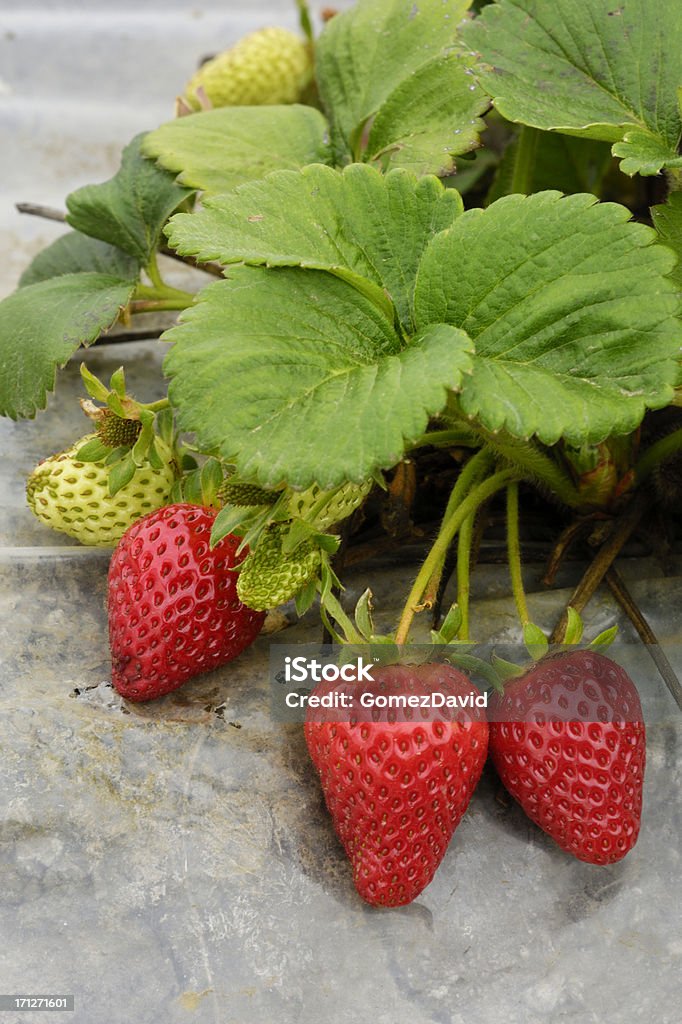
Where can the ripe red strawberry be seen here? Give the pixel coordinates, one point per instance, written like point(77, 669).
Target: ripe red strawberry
point(397, 782)
point(568, 742)
point(173, 606)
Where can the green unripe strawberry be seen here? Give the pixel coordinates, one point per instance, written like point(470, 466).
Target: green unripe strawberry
point(325, 508)
point(73, 497)
point(269, 66)
point(244, 495)
point(270, 576)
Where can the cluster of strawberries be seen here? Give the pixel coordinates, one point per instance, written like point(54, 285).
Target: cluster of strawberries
point(566, 737)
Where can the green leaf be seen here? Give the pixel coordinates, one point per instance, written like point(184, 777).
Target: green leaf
point(227, 520)
point(560, 162)
point(93, 385)
point(75, 252)
point(640, 152)
point(358, 224)
point(604, 639)
point(432, 117)
point(121, 474)
point(130, 209)
point(219, 149)
point(505, 669)
point(608, 70)
point(93, 450)
point(383, 54)
point(153, 456)
point(296, 377)
point(304, 598)
point(43, 324)
point(570, 312)
point(451, 625)
point(141, 449)
point(165, 426)
point(118, 382)
point(668, 222)
point(535, 640)
point(115, 455)
point(574, 626)
point(212, 480)
point(116, 405)
point(191, 490)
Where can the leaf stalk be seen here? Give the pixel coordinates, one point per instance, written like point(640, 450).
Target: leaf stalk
point(452, 521)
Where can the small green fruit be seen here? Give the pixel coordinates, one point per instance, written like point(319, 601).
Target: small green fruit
point(324, 509)
point(269, 66)
point(73, 497)
point(245, 495)
point(269, 577)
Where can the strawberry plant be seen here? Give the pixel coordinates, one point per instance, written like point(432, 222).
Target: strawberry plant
point(442, 241)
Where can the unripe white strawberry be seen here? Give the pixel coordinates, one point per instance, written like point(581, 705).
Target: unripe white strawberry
point(269, 66)
point(73, 497)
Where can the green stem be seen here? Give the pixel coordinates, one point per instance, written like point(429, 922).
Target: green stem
point(514, 553)
point(524, 161)
point(532, 464)
point(304, 20)
point(156, 305)
point(472, 473)
point(674, 179)
point(163, 292)
point(464, 544)
point(162, 403)
point(449, 527)
point(454, 437)
point(659, 452)
point(154, 273)
point(333, 606)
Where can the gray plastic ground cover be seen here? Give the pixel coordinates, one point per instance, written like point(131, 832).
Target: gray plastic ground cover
point(173, 862)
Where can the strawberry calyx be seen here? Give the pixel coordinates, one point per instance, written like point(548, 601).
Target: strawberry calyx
point(540, 650)
point(355, 635)
point(127, 430)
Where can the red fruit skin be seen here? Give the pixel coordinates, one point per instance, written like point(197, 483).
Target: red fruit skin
point(397, 790)
point(569, 744)
point(173, 606)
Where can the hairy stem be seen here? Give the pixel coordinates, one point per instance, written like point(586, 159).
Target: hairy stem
point(38, 210)
point(449, 527)
point(514, 553)
point(456, 437)
point(464, 545)
point(163, 291)
point(473, 472)
point(657, 453)
point(524, 161)
point(534, 465)
point(156, 305)
point(673, 179)
point(154, 274)
point(162, 403)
